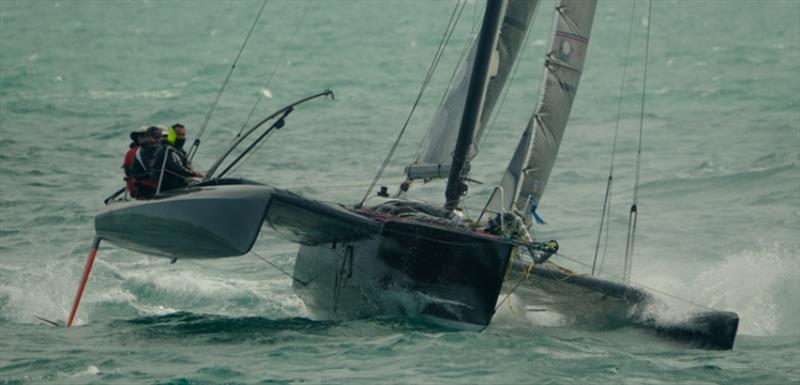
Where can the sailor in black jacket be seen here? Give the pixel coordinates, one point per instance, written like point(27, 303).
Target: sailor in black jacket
point(177, 171)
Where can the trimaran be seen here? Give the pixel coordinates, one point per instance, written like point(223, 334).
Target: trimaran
point(400, 257)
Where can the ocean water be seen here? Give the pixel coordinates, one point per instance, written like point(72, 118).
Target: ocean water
point(719, 204)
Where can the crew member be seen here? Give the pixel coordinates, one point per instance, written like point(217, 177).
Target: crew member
point(137, 164)
point(176, 137)
point(177, 170)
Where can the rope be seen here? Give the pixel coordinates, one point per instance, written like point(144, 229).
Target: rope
point(440, 50)
point(513, 289)
point(196, 144)
point(607, 200)
point(634, 207)
point(275, 68)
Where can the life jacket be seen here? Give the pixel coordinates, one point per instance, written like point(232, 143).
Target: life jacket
point(137, 179)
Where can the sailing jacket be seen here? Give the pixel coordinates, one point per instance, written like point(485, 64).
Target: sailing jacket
point(176, 173)
point(140, 183)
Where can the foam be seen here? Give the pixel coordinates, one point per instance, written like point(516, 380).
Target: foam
point(514, 311)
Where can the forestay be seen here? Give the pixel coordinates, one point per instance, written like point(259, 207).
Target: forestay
point(437, 149)
point(529, 169)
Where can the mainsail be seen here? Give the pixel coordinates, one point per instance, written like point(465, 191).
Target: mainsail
point(529, 169)
point(437, 149)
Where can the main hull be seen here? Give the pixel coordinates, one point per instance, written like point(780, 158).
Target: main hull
point(446, 276)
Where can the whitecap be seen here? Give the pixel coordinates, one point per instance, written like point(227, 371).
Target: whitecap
point(91, 370)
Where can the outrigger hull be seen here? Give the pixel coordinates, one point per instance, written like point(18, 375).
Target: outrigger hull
point(202, 222)
point(223, 218)
point(601, 303)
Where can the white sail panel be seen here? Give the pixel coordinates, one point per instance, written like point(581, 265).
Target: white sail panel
point(437, 148)
point(529, 169)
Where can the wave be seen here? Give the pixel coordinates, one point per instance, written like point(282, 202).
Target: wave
point(758, 184)
point(188, 323)
point(143, 288)
point(261, 329)
point(129, 95)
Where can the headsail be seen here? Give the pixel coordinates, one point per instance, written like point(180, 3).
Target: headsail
point(529, 169)
point(437, 149)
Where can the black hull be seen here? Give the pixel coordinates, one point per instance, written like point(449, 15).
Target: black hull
point(447, 276)
point(596, 301)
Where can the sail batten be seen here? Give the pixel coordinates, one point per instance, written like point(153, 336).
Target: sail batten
point(437, 148)
point(530, 166)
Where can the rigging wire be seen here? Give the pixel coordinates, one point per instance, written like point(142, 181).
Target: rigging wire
point(275, 68)
point(461, 57)
point(607, 200)
point(276, 267)
point(638, 284)
point(516, 285)
point(283, 112)
point(634, 207)
point(250, 153)
point(439, 52)
point(196, 144)
point(447, 89)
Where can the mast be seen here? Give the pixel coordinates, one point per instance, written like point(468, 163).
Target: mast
point(436, 149)
point(456, 183)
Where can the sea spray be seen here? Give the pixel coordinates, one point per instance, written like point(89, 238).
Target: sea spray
point(760, 284)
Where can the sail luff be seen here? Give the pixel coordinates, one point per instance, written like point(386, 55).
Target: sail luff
point(433, 160)
point(532, 162)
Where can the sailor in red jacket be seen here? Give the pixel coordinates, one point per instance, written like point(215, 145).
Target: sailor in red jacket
point(138, 162)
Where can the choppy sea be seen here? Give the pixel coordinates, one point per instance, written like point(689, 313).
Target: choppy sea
point(719, 198)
